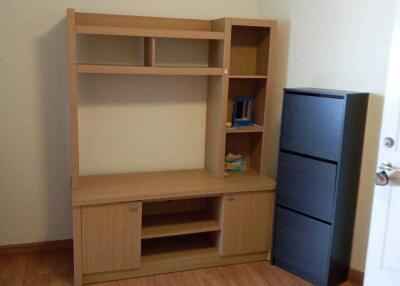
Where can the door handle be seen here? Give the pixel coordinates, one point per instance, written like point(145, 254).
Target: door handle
point(133, 207)
point(381, 178)
point(389, 168)
point(386, 168)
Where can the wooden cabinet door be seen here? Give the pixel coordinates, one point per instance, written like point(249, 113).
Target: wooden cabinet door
point(111, 237)
point(247, 221)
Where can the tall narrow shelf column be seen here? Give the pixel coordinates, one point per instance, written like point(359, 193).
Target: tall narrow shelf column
point(251, 48)
point(73, 97)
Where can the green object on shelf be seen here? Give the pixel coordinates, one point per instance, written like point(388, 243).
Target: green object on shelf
point(235, 163)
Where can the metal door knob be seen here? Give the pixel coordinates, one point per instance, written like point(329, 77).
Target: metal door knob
point(389, 142)
point(381, 179)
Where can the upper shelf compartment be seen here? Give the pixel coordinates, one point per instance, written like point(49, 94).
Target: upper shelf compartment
point(249, 52)
point(145, 32)
point(153, 27)
point(144, 70)
point(155, 46)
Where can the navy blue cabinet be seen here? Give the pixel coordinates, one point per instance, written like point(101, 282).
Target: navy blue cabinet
point(312, 125)
point(306, 253)
point(321, 145)
point(306, 185)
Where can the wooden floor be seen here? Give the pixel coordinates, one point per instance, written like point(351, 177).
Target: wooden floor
point(56, 269)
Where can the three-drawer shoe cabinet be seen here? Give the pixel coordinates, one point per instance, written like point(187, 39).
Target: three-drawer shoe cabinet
point(319, 165)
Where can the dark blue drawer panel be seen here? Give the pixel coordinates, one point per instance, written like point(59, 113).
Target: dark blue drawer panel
point(302, 245)
point(312, 125)
point(306, 185)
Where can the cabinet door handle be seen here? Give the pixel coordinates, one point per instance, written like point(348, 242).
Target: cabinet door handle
point(133, 207)
point(230, 198)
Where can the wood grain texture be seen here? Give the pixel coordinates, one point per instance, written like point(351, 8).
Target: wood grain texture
point(165, 185)
point(198, 259)
point(249, 76)
point(96, 19)
point(174, 206)
point(253, 22)
point(178, 224)
point(77, 239)
point(214, 155)
point(125, 69)
point(249, 50)
point(215, 124)
point(150, 52)
point(356, 277)
point(111, 237)
point(56, 268)
point(145, 32)
point(249, 145)
point(245, 129)
point(73, 97)
point(246, 223)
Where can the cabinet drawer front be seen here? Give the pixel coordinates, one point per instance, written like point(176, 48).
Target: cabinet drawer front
point(306, 185)
point(312, 125)
point(302, 245)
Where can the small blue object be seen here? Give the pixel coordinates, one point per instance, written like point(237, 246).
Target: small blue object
point(243, 110)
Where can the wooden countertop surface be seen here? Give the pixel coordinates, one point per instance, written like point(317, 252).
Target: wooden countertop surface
point(100, 189)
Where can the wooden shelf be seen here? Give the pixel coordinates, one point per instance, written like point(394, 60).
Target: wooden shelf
point(144, 70)
point(165, 225)
point(147, 32)
point(244, 76)
point(176, 248)
point(245, 129)
point(100, 189)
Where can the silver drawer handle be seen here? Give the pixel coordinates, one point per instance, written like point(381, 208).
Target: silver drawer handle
point(230, 198)
point(133, 207)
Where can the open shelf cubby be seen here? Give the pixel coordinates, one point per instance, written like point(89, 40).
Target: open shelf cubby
point(111, 54)
point(249, 145)
point(176, 248)
point(180, 217)
point(249, 50)
point(254, 88)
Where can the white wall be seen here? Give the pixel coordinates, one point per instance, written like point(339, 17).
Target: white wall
point(339, 45)
point(35, 201)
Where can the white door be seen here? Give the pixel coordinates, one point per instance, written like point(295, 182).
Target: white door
point(383, 258)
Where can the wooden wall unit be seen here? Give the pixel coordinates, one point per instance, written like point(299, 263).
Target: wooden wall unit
point(130, 225)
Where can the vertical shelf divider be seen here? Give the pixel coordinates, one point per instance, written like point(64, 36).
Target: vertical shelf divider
point(150, 52)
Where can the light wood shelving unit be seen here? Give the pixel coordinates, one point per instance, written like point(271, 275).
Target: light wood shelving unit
point(135, 224)
point(175, 224)
point(151, 70)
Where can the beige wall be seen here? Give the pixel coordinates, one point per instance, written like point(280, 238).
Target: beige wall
point(34, 136)
point(340, 45)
